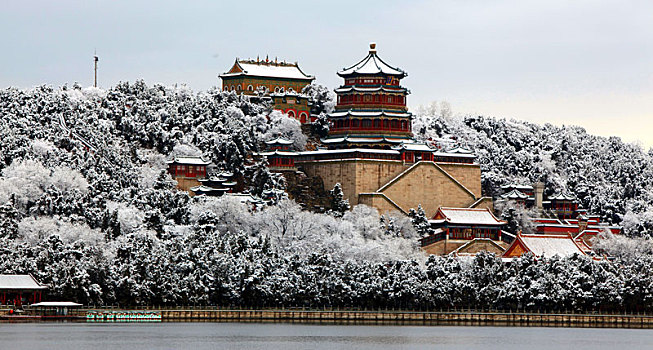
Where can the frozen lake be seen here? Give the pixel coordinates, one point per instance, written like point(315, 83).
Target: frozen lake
point(198, 336)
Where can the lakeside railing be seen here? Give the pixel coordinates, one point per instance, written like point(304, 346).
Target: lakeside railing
point(335, 315)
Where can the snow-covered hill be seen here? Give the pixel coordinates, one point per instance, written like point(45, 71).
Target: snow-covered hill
point(87, 207)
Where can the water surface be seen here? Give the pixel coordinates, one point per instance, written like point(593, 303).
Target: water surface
point(250, 336)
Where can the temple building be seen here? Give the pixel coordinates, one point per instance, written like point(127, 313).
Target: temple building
point(559, 214)
point(187, 171)
point(466, 230)
point(280, 81)
point(280, 157)
point(19, 290)
point(562, 245)
point(215, 185)
point(370, 150)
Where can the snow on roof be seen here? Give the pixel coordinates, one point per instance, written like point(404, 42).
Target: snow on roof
point(350, 150)
point(369, 114)
point(189, 161)
point(289, 93)
point(550, 245)
point(20, 282)
point(517, 186)
point(279, 141)
point(56, 304)
point(269, 70)
point(562, 197)
point(459, 155)
point(470, 216)
point(372, 64)
point(245, 198)
point(203, 188)
point(422, 147)
point(460, 150)
point(361, 140)
point(277, 152)
point(514, 194)
point(213, 179)
point(369, 89)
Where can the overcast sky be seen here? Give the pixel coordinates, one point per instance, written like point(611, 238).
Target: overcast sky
point(588, 63)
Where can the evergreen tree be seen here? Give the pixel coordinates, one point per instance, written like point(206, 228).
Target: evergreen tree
point(420, 221)
point(339, 205)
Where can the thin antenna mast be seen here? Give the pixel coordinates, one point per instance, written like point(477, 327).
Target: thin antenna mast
point(95, 59)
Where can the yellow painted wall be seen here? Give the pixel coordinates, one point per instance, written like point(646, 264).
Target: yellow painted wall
point(425, 183)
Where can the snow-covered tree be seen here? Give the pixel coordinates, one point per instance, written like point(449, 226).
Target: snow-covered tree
point(420, 221)
point(339, 205)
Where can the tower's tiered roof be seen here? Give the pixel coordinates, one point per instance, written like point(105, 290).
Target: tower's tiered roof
point(372, 65)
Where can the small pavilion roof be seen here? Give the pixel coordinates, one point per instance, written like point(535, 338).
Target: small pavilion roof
point(20, 282)
point(562, 197)
point(372, 65)
point(467, 216)
point(189, 161)
point(514, 194)
point(460, 150)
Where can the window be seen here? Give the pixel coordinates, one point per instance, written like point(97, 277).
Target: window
point(238, 87)
point(233, 88)
point(291, 113)
point(250, 88)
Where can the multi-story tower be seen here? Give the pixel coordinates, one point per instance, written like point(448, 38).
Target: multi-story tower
point(371, 106)
point(370, 151)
